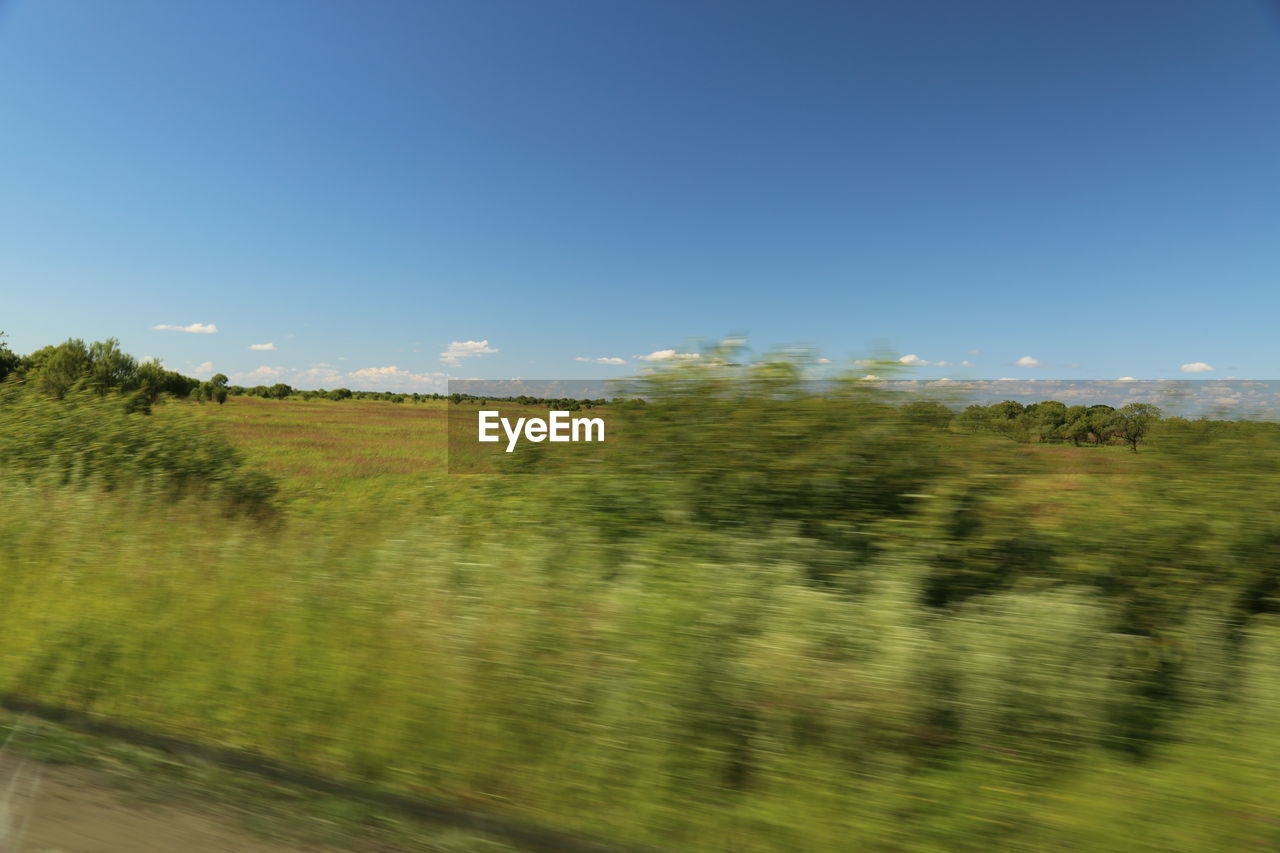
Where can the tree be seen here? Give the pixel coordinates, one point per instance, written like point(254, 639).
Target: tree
point(1133, 422)
point(110, 368)
point(154, 380)
point(1099, 418)
point(928, 413)
point(9, 360)
point(1048, 419)
point(57, 369)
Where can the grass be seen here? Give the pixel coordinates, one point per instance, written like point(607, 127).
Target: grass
point(448, 637)
point(363, 456)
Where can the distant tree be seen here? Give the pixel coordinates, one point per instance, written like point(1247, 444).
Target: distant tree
point(1049, 418)
point(1006, 410)
point(110, 368)
point(57, 369)
point(973, 419)
point(1132, 422)
point(153, 381)
point(1099, 418)
point(9, 360)
point(927, 413)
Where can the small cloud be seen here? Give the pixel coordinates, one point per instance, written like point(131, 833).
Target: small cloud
point(259, 375)
point(204, 368)
point(393, 372)
point(147, 359)
point(194, 328)
point(1126, 379)
point(602, 360)
point(966, 364)
point(942, 364)
point(1006, 379)
point(1028, 361)
point(459, 350)
point(267, 347)
point(323, 374)
point(668, 355)
point(1195, 367)
point(871, 377)
point(913, 360)
point(972, 352)
point(822, 361)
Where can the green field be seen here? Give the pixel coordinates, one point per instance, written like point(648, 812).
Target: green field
point(814, 627)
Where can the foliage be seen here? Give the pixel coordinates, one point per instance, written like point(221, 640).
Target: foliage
point(86, 439)
point(780, 616)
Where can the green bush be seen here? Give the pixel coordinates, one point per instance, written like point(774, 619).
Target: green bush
point(85, 438)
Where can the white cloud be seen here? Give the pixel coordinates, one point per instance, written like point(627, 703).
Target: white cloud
point(147, 359)
point(204, 368)
point(1195, 367)
point(259, 375)
point(822, 361)
point(914, 360)
point(1126, 379)
point(1006, 379)
point(602, 360)
point(321, 375)
point(668, 355)
point(194, 328)
point(267, 347)
point(871, 377)
point(966, 364)
point(1028, 361)
point(458, 350)
point(972, 352)
point(395, 379)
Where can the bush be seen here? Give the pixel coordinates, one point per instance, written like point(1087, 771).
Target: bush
point(85, 438)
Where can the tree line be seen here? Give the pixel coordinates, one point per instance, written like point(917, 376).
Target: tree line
point(1046, 422)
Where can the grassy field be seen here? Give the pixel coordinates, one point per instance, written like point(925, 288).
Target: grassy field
point(591, 656)
point(357, 455)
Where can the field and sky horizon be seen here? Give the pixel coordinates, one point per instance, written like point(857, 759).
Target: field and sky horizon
point(927, 501)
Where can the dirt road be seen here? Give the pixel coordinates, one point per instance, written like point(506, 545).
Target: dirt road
point(71, 812)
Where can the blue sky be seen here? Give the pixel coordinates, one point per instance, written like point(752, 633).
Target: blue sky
point(367, 187)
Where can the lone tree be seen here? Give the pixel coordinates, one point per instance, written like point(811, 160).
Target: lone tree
point(1132, 422)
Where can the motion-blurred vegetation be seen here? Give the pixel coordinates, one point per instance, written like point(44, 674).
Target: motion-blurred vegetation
point(783, 616)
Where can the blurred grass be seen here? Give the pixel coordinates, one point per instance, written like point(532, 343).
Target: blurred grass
point(1086, 679)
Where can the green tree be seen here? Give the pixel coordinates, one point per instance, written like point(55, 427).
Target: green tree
point(9, 360)
point(57, 369)
point(110, 368)
point(1133, 422)
point(1049, 418)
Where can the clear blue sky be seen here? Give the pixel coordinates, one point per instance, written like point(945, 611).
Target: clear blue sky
point(1093, 184)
